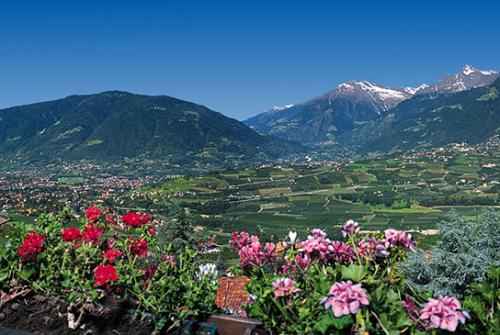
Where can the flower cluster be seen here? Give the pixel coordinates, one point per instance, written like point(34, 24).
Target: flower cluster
point(341, 252)
point(318, 246)
point(284, 287)
point(104, 274)
point(345, 298)
point(250, 249)
point(350, 228)
point(71, 234)
point(139, 248)
point(112, 254)
point(92, 234)
point(395, 237)
point(136, 220)
point(443, 313)
point(32, 246)
point(370, 248)
point(92, 213)
point(169, 259)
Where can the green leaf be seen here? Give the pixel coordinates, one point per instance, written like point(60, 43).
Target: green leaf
point(353, 272)
point(26, 274)
point(324, 323)
point(342, 322)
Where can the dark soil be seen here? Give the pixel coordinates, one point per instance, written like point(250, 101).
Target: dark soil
point(40, 315)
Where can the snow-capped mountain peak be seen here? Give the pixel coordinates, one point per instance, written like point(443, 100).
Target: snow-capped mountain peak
point(385, 96)
point(279, 108)
point(373, 90)
point(468, 69)
point(414, 90)
point(468, 78)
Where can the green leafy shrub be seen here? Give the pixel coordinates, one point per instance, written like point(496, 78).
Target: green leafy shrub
point(483, 300)
point(462, 255)
point(99, 256)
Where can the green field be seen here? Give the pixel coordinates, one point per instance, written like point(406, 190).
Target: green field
point(410, 194)
point(72, 180)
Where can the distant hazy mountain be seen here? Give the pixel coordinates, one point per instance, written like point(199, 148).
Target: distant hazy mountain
point(429, 120)
point(114, 125)
point(468, 78)
point(351, 105)
point(331, 114)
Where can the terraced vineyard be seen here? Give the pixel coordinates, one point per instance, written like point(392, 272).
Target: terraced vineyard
point(411, 193)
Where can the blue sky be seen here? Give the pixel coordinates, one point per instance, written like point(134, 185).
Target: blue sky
point(236, 57)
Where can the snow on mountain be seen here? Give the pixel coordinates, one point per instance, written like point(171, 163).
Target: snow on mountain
point(386, 97)
point(414, 90)
point(468, 78)
point(279, 108)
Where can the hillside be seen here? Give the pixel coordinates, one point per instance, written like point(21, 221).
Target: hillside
point(329, 115)
point(400, 192)
point(337, 114)
point(428, 120)
point(115, 125)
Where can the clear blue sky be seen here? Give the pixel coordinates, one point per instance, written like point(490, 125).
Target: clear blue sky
point(237, 57)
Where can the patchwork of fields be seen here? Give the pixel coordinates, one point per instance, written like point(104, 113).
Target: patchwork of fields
point(407, 193)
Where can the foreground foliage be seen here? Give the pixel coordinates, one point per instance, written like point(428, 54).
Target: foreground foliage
point(319, 286)
point(100, 256)
point(313, 286)
point(463, 254)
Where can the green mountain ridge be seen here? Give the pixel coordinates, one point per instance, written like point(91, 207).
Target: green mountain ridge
point(114, 125)
point(431, 120)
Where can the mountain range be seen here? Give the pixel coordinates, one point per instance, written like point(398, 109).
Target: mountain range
point(428, 120)
point(357, 115)
point(111, 126)
point(351, 105)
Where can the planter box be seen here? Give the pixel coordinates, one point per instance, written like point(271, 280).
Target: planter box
point(235, 325)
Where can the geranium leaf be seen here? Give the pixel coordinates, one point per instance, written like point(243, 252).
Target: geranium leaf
point(354, 272)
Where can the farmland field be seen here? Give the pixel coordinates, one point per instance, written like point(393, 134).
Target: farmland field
point(404, 192)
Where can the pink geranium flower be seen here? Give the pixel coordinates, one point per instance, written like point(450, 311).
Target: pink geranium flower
point(303, 260)
point(443, 313)
point(317, 234)
point(316, 245)
point(370, 248)
point(350, 228)
point(341, 252)
point(168, 259)
point(239, 240)
point(345, 298)
point(395, 237)
point(250, 249)
point(284, 287)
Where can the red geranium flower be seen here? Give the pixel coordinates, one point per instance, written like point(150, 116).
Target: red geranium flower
point(32, 246)
point(110, 219)
point(104, 274)
point(92, 213)
point(140, 248)
point(152, 231)
point(148, 274)
point(112, 254)
point(92, 234)
point(135, 219)
point(71, 234)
